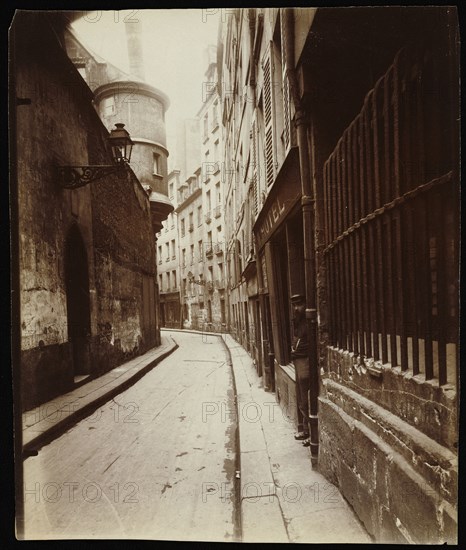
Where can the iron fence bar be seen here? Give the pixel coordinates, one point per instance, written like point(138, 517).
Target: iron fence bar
point(347, 255)
point(388, 164)
point(370, 260)
point(341, 259)
point(427, 300)
point(363, 237)
point(350, 245)
point(355, 181)
point(326, 203)
point(400, 187)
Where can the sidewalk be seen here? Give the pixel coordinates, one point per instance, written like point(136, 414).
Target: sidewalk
point(282, 498)
point(42, 424)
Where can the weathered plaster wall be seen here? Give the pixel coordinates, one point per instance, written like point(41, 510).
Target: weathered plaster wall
point(125, 271)
point(44, 140)
point(61, 127)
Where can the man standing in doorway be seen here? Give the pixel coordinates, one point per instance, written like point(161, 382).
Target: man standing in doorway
point(300, 358)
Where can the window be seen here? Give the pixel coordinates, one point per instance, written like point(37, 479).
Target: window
point(167, 250)
point(191, 221)
point(109, 106)
point(207, 167)
point(220, 271)
point(160, 282)
point(172, 221)
point(174, 279)
point(215, 115)
point(173, 249)
point(170, 190)
point(199, 244)
point(206, 125)
point(159, 253)
point(183, 229)
point(208, 201)
point(183, 257)
point(199, 215)
point(192, 254)
point(156, 163)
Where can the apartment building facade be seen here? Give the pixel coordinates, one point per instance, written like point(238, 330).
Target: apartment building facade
point(212, 177)
point(191, 252)
point(341, 147)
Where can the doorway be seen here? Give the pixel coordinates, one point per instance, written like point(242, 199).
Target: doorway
point(77, 302)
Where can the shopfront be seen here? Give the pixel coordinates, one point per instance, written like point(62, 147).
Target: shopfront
point(279, 241)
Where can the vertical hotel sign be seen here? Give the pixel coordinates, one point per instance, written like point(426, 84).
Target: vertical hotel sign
point(285, 193)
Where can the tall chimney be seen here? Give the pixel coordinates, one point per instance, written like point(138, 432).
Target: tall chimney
point(133, 38)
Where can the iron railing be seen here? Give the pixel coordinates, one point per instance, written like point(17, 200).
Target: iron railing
point(391, 223)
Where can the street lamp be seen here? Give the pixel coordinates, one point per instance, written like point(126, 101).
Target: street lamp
point(73, 177)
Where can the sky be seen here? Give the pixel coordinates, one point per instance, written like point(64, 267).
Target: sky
point(173, 48)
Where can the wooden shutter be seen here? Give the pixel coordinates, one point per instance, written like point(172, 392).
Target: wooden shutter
point(268, 100)
point(255, 192)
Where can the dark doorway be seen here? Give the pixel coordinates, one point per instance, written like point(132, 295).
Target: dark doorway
point(77, 301)
point(222, 311)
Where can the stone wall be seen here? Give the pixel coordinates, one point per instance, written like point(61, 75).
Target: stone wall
point(125, 264)
point(61, 127)
point(389, 444)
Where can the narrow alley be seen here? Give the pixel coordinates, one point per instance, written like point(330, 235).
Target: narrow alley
point(159, 461)
point(235, 257)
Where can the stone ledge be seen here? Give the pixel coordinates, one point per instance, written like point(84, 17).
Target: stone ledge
point(435, 462)
point(392, 499)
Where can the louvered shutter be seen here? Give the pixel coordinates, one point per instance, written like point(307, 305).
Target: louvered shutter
point(268, 101)
point(255, 195)
point(286, 92)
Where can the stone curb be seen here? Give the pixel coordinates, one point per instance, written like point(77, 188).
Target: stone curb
point(261, 518)
point(34, 444)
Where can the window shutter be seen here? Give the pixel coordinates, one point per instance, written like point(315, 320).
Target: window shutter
point(268, 101)
point(286, 92)
point(255, 195)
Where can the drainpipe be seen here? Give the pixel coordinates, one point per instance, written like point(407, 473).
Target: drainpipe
point(308, 212)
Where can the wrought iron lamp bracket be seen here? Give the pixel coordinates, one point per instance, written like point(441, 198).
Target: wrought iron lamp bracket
point(73, 177)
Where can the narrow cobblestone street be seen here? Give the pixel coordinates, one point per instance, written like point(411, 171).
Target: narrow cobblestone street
point(138, 466)
point(180, 455)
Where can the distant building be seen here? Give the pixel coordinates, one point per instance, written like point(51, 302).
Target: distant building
point(212, 183)
point(191, 247)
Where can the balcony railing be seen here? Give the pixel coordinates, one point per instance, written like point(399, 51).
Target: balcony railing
point(209, 252)
point(173, 256)
point(208, 217)
point(218, 211)
point(167, 259)
point(191, 227)
point(218, 249)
